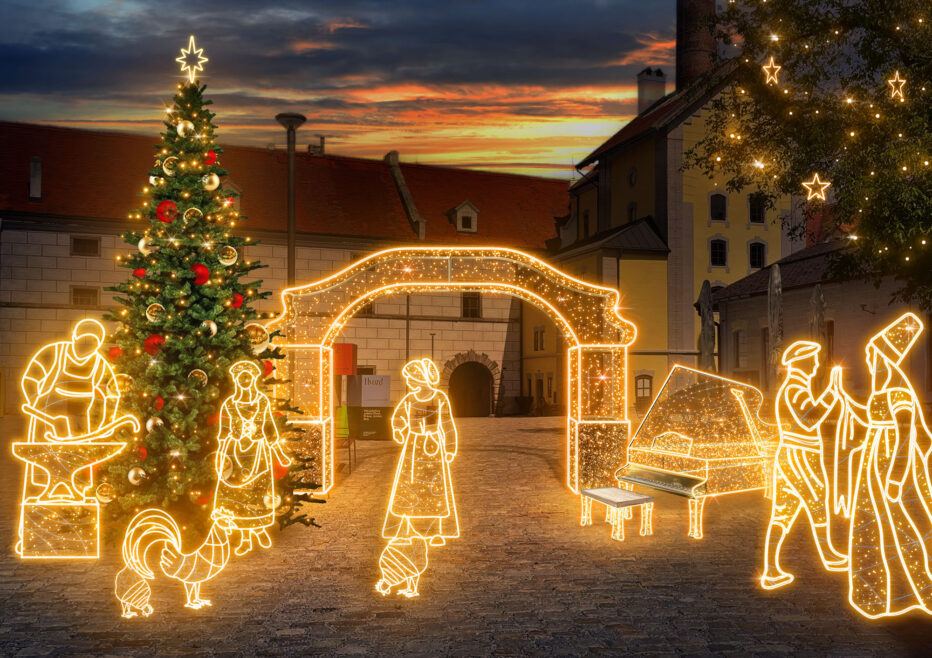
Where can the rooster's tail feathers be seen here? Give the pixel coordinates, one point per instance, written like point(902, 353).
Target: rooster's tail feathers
point(147, 528)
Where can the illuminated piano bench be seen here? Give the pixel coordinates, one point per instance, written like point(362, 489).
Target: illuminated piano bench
point(618, 504)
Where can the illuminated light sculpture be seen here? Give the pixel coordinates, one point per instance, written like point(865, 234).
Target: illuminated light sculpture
point(422, 506)
point(313, 316)
point(154, 526)
point(701, 437)
point(896, 86)
point(244, 502)
point(772, 69)
point(246, 430)
point(890, 500)
point(815, 188)
point(800, 482)
point(192, 60)
point(881, 483)
point(72, 399)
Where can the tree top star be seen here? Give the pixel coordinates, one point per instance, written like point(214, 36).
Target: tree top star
point(192, 59)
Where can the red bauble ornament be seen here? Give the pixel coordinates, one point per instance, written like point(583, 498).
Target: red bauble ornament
point(114, 353)
point(152, 344)
point(158, 403)
point(210, 157)
point(139, 272)
point(213, 419)
point(279, 471)
point(142, 452)
point(237, 300)
point(201, 274)
point(267, 368)
point(166, 211)
point(203, 500)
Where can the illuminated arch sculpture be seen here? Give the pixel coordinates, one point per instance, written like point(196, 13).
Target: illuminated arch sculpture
point(597, 427)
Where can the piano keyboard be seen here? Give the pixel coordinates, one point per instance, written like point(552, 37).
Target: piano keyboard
point(675, 483)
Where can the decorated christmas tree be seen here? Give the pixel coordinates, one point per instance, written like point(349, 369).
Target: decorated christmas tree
point(188, 314)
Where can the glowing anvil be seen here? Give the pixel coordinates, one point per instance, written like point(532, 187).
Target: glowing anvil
point(63, 520)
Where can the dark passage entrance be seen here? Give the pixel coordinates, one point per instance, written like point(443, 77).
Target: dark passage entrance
point(471, 390)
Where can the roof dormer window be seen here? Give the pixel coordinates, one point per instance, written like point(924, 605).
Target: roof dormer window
point(465, 217)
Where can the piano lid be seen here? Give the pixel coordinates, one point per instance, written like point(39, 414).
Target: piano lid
point(704, 416)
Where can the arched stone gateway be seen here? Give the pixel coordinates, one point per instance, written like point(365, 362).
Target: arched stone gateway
point(597, 425)
point(471, 357)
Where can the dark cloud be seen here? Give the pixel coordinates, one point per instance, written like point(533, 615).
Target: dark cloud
point(339, 61)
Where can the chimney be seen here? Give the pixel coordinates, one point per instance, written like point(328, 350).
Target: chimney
point(695, 43)
point(652, 86)
point(316, 149)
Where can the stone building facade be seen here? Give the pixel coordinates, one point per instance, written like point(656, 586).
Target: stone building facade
point(64, 194)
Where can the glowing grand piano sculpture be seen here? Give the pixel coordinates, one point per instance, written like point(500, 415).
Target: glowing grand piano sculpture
point(701, 437)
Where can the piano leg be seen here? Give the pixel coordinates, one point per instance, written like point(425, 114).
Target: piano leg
point(647, 519)
point(627, 511)
point(618, 524)
point(695, 517)
point(586, 518)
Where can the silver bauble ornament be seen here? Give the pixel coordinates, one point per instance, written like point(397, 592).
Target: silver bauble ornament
point(154, 180)
point(154, 422)
point(227, 255)
point(198, 377)
point(211, 182)
point(185, 128)
point(136, 475)
point(272, 502)
point(258, 337)
point(105, 492)
point(146, 247)
point(155, 313)
point(210, 326)
point(169, 164)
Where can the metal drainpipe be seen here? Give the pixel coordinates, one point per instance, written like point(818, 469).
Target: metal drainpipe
point(291, 122)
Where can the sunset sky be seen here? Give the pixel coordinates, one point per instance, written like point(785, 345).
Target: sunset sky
point(524, 86)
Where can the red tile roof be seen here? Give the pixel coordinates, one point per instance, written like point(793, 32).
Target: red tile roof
point(95, 174)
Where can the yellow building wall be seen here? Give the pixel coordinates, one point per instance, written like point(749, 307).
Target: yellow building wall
point(643, 287)
point(737, 229)
point(639, 158)
point(544, 364)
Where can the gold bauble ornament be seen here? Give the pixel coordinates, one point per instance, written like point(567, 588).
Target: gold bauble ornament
point(136, 475)
point(272, 502)
point(258, 337)
point(154, 422)
point(227, 255)
point(192, 214)
point(211, 182)
point(105, 492)
point(121, 383)
point(146, 247)
point(210, 326)
point(185, 128)
point(169, 164)
point(155, 313)
point(198, 376)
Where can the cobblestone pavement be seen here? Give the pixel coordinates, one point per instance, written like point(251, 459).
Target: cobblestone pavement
point(524, 578)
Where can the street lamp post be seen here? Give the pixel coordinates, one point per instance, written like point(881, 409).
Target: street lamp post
point(291, 122)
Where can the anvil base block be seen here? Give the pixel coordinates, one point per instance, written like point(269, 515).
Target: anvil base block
point(58, 530)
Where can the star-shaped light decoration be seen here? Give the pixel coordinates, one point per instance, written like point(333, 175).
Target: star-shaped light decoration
point(816, 188)
point(192, 59)
point(772, 69)
point(896, 86)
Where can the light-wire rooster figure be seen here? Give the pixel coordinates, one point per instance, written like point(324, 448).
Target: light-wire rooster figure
point(154, 526)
